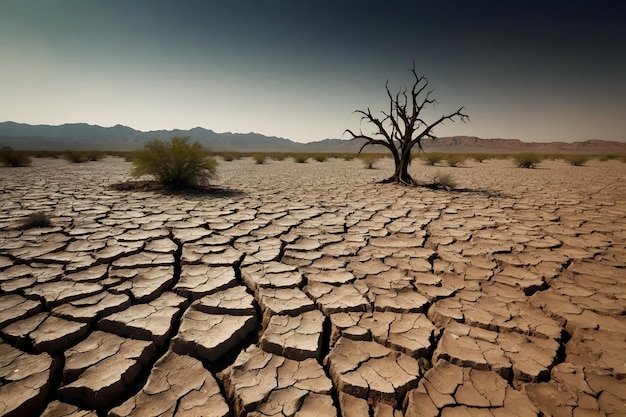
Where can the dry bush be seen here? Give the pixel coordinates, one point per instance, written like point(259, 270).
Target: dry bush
point(12, 158)
point(576, 160)
point(94, 155)
point(75, 157)
point(130, 156)
point(432, 158)
point(176, 163)
point(442, 180)
point(229, 156)
point(527, 160)
point(301, 158)
point(369, 160)
point(454, 159)
point(36, 219)
point(320, 157)
point(481, 157)
point(260, 158)
point(553, 156)
point(45, 154)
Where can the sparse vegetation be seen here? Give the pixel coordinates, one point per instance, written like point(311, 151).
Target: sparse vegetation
point(176, 163)
point(94, 155)
point(301, 158)
point(369, 160)
point(36, 219)
point(576, 160)
point(480, 157)
point(44, 154)
point(130, 156)
point(442, 180)
point(431, 159)
point(11, 157)
point(228, 156)
point(527, 160)
point(454, 159)
point(320, 157)
point(75, 157)
point(603, 158)
point(260, 158)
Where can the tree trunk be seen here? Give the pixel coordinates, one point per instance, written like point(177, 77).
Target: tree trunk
point(401, 174)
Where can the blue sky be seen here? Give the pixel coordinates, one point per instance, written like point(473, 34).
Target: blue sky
point(533, 70)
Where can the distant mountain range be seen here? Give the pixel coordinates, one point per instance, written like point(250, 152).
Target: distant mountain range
point(122, 138)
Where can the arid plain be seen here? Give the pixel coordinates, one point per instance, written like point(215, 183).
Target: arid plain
point(311, 290)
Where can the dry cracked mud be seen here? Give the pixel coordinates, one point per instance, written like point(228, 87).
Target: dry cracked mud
point(314, 291)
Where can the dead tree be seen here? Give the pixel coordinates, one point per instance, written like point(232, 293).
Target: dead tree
point(402, 127)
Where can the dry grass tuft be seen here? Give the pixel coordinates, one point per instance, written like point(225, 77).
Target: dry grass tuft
point(454, 159)
point(527, 160)
point(369, 160)
point(36, 219)
point(260, 158)
point(577, 160)
point(442, 180)
point(13, 158)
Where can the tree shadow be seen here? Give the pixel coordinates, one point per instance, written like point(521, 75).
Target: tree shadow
point(449, 189)
point(485, 193)
point(189, 191)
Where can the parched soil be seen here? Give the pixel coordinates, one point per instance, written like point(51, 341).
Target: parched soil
point(310, 289)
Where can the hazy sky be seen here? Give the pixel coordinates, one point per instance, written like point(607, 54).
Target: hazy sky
point(533, 70)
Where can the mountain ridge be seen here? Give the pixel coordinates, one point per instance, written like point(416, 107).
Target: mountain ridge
point(124, 138)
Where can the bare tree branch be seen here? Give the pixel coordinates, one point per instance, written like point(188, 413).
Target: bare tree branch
point(427, 131)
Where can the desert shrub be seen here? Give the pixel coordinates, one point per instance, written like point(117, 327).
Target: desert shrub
point(230, 156)
point(603, 158)
point(176, 163)
point(553, 156)
point(320, 157)
point(94, 155)
point(36, 219)
point(130, 156)
point(44, 154)
point(279, 156)
point(442, 180)
point(576, 160)
point(454, 159)
point(527, 160)
point(369, 160)
point(432, 159)
point(260, 158)
point(75, 157)
point(481, 157)
point(11, 157)
point(348, 156)
point(300, 158)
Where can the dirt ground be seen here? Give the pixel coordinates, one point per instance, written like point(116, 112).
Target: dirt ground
point(309, 289)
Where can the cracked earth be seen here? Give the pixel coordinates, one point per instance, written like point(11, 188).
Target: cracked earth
point(314, 291)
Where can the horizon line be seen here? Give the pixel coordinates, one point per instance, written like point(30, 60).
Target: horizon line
point(295, 141)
